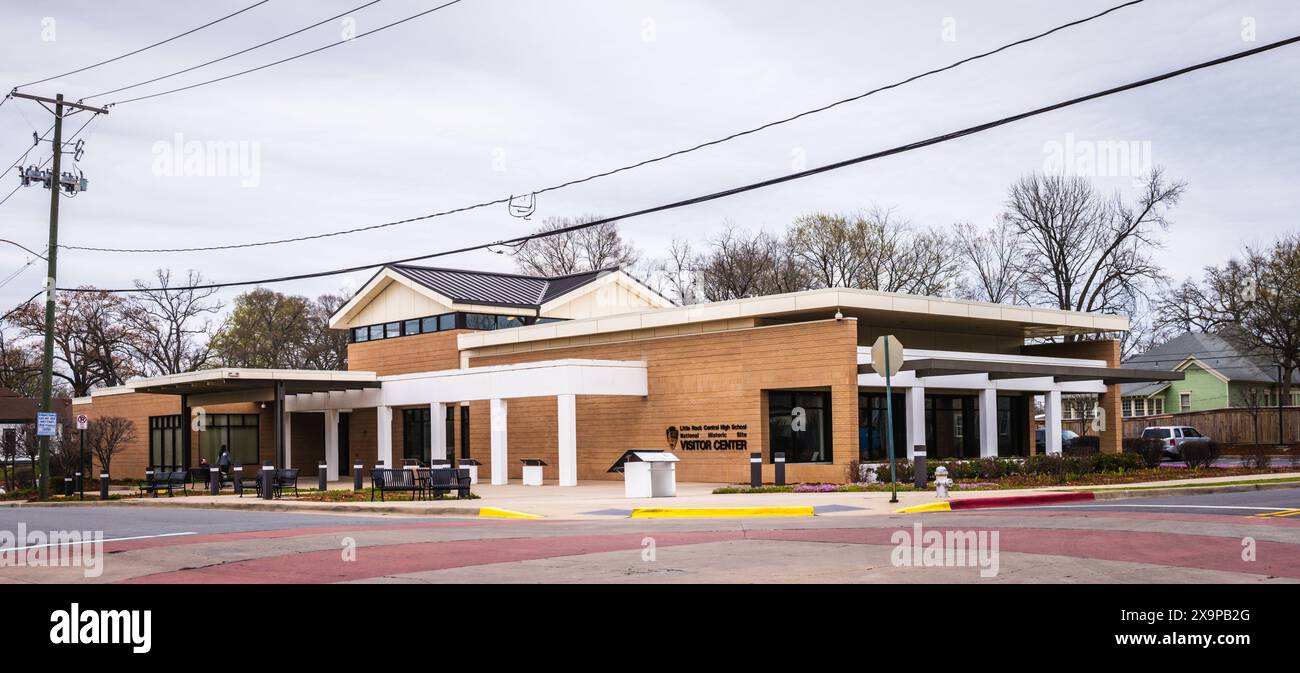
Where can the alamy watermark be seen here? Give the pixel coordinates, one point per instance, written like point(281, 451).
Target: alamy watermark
point(1097, 158)
point(23, 548)
point(921, 548)
point(179, 157)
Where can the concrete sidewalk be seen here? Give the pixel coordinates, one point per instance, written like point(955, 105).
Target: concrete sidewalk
point(604, 500)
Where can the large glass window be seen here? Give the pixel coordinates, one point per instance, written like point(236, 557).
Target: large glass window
point(799, 425)
point(166, 450)
point(952, 426)
point(872, 427)
point(238, 432)
point(415, 434)
point(411, 327)
point(361, 334)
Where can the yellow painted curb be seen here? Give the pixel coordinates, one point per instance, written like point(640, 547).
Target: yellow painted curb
point(941, 506)
point(1282, 513)
point(717, 512)
point(498, 513)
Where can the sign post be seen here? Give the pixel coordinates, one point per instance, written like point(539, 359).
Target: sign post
point(887, 360)
point(46, 426)
point(82, 423)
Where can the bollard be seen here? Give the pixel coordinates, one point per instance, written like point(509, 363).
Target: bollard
point(918, 465)
point(322, 473)
point(755, 469)
point(239, 480)
point(268, 482)
point(779, 459)
point(356, 476)
point(214, 480)
point(67, 486)
point(103, 486)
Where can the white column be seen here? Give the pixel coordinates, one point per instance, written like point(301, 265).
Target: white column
point(438, 430)
point(567, 417)
point(915, 416)
point(989, 423)
point(384, 436)
point(1052, 421)
point(332, 445)
point(288, 437)
point(500, 471)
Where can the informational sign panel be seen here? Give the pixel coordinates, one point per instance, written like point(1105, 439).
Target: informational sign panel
point(47, 423)
point(82, 422)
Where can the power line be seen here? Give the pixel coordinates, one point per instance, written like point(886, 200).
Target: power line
point(285, 60)
point(156, 44)
point(238, 53)
point(520, 240)
point(20, 306)
point(596, 176)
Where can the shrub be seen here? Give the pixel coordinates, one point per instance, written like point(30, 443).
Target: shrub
point(1198, 454)
point(1082, 446)
point(1151, 450)
point(1258, 457)
point(855, 473)
point(1117, 462)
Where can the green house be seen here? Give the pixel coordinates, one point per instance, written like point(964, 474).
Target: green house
point(1217, 376)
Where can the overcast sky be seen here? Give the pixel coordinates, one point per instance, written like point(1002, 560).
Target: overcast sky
point(489, 98)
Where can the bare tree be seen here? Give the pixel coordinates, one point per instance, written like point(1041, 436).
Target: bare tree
point(171, 329)
point(832, 248)
point(994, 260)
point(588, 249)
point(107, 436)
point(740, 265)
point(1253, 302)
point(1086, 252)
point(20, 366)
point(92, 343)
point(678, 273)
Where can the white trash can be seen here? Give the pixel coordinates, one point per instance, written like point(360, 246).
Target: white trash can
point(533, 471)
point(471, 465)
point(648, 473)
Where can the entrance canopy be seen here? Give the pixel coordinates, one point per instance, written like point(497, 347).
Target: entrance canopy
point(220, 386)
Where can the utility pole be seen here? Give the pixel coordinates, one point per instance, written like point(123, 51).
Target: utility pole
point(54, 184)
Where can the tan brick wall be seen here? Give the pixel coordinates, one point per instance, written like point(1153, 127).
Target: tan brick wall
point(138, 407)
point(694, 379)
point(1112, 437)
point(407, 355)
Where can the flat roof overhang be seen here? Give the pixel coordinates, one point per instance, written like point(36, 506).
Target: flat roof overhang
point(254, 384)
point(927, 367)
point(869, 307)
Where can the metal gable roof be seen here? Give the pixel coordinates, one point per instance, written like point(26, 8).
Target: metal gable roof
point(1211, 350)
point(496, 289)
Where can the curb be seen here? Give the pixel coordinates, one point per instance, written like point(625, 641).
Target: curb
point(1115, 494)
point(994, 502)
point(717, 512)
point(499, 513)
point(276, 506)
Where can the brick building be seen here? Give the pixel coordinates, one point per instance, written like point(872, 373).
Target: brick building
point(576, 370)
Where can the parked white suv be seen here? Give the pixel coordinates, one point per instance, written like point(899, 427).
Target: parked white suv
point(1173, 436)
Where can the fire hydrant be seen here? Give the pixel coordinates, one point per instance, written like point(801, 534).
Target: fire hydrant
point(941, 482)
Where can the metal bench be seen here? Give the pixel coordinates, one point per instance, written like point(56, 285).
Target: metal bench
point(446, 480)
point(384, 480)
point(285, 478)
point(166, 481)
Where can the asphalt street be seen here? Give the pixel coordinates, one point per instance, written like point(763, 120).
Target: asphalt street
point(1180, 539)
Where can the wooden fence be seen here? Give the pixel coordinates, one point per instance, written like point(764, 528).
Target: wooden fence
point(1228, 426)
